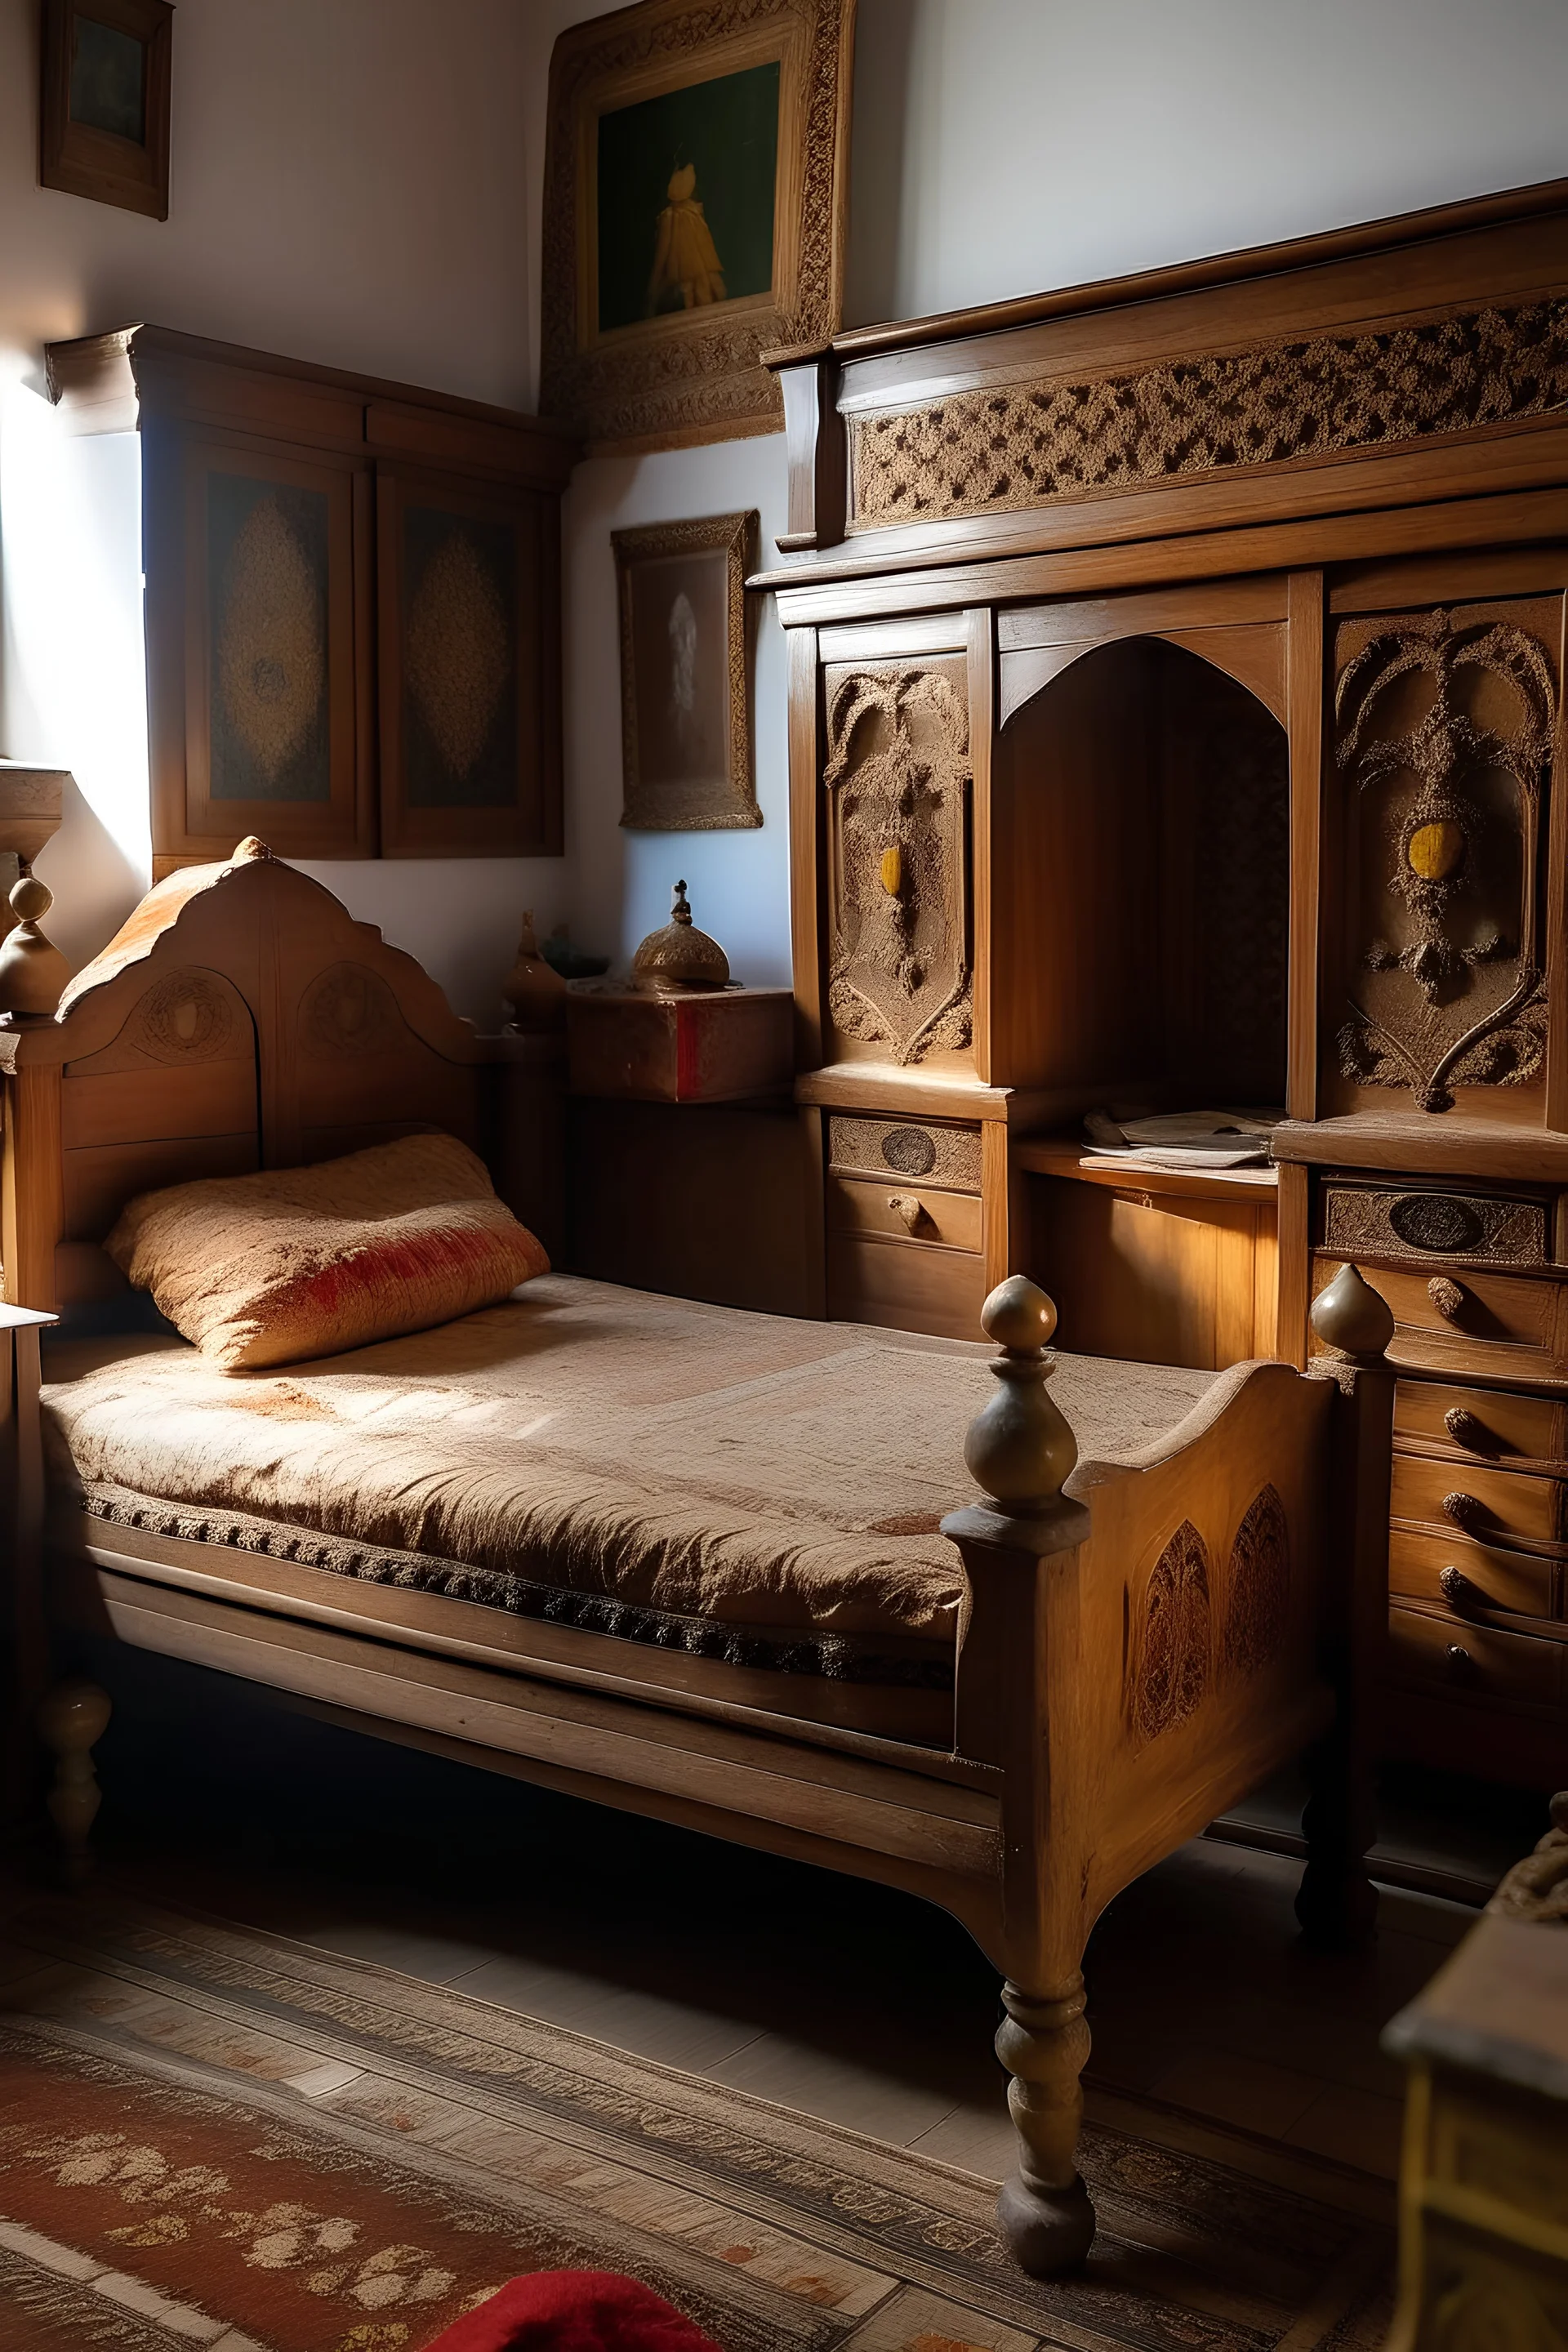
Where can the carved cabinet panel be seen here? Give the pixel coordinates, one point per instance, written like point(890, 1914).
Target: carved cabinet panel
point(1445, 723)
point(896, 777)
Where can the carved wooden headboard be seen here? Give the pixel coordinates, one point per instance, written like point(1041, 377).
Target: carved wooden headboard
point(241, 1019)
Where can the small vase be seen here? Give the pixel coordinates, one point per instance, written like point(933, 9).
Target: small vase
point(536, 994)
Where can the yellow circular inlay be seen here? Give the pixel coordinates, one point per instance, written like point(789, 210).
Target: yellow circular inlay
point(1436, 851)
point(892, 871)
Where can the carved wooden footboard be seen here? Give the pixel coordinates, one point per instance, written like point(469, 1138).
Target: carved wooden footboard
point(1139, 1654)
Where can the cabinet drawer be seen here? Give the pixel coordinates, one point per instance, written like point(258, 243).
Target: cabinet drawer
point(1471, 1660)
point(1428, 1569)
point(1500, 1324)
point(904, 1211)
point(908, 1286)
point(1481, 1424)
point(903, 1152)
point(1433, 1223)
point(1493, 1505)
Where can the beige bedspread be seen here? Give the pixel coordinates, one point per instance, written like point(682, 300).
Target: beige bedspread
point(741, 1468)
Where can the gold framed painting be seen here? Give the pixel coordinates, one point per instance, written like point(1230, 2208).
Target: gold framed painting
point(696, 177)
point(686, 720)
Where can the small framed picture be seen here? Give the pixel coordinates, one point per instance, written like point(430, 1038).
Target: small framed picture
point(105, 101)
point(685, 721)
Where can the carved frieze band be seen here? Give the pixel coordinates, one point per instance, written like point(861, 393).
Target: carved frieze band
point(988, 452)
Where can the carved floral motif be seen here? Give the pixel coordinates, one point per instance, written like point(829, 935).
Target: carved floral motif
point(190, 1017)
point(896, 776)
point(1446, 724)
point(1257, 1596)
point(1171, 1664)
point(349, 1010)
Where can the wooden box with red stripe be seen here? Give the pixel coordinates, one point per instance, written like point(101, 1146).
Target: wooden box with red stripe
point(727, 1045)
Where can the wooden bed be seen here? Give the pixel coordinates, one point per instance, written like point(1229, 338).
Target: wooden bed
point(1131, 1655)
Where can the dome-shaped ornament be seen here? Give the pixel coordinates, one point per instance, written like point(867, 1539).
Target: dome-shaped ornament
point(679, 957)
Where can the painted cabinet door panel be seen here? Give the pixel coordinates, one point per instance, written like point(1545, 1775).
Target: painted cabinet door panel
point(467, 635)
point(257, 565)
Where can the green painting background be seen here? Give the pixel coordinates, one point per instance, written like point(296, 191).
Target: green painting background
point(729, 129)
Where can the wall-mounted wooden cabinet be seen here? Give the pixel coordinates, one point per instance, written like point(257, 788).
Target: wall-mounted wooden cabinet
point(351, 603)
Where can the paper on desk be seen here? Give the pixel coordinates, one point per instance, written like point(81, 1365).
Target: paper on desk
point(1183, 1139)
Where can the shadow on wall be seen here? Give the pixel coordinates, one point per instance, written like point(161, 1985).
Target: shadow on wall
point(884, 46)
point(95, 881)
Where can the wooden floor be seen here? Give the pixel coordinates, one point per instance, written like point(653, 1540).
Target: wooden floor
point(847, 2001)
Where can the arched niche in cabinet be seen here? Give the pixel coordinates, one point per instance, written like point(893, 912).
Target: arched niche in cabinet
point(1140, 863)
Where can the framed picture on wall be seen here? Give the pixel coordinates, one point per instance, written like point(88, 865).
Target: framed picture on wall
point(105, 101)
point(696, 177)
point(468, 638)
point(686, 723)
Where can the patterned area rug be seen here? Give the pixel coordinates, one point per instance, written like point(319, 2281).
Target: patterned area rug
point(210, 2136)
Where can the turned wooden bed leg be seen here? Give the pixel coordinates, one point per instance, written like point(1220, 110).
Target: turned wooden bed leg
point(1043, 2211)
point(72, 1718)
point(1337, 1903)
point(1016, 1708)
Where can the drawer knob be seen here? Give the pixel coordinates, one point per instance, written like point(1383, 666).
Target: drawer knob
point(1459, 1662)
point(1465, 1511)
point(1466, 1431)
point(1446, 1297)
point(909, 1210)
point(1457, 1589)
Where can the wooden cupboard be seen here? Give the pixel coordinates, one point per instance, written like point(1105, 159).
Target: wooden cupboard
point(352, 601)
point(1175, 723)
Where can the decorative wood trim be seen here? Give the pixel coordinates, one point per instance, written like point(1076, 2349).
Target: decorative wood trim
point(867, 589)
point(1304, 726)
point(982, 652)
point(805, 839)
point(120, 381)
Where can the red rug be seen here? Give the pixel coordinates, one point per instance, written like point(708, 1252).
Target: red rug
point(575, 2310)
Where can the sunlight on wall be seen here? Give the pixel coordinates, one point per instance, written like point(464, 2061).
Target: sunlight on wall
point(73, 671)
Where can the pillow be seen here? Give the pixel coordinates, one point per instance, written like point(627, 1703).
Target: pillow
point(299, 1262)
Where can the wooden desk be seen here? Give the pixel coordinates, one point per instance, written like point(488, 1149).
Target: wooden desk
point(1164, 1265)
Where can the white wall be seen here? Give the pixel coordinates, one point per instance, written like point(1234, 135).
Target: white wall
point(349, 185)
point(1005, 146)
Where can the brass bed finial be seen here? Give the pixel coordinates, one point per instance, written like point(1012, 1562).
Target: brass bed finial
point(1352, 1318)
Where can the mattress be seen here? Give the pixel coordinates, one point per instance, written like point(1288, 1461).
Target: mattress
point(746, 1487)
